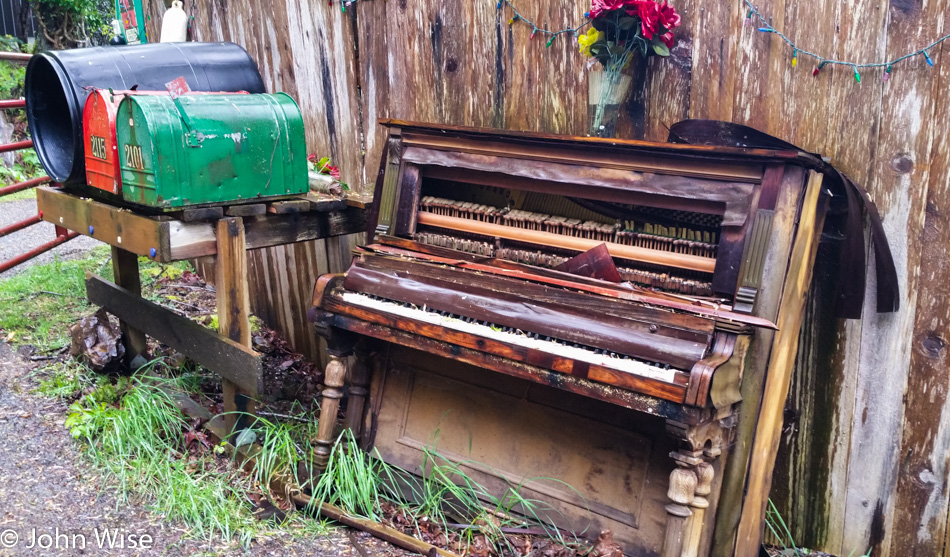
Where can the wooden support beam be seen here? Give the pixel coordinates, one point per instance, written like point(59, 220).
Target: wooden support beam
point(197, 214)
point(272, 230)
point(781, 362)
point(125, 271)
point(173, 240)
point(234, 312)
point(324, 203)
point(289, 206)
point(220, 354)
point(134, 233)
point(246, 210)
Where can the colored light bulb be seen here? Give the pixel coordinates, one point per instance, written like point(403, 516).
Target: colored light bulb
point(926, 57)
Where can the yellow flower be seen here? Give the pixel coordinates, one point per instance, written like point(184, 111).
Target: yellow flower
point(592, 36)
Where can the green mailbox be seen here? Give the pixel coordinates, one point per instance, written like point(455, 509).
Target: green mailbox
point(202, 149)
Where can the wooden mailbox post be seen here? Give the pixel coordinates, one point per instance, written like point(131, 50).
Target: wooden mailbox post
point(223, 232)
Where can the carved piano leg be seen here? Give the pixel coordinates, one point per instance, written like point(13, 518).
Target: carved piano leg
point(329, 408)
point(359, 390)
point(339, 346)
point(694, 525)
point(690, 486)
point(682, 490)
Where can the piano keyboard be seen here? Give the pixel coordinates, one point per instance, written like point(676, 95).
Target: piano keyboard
point(515, 337)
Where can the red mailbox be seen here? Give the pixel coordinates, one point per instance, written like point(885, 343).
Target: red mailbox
point(98, 125)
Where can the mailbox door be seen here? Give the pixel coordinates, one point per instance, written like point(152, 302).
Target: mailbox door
point(102, 162)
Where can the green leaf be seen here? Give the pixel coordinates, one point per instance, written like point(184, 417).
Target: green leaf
point(661, 49)
point(628, 22)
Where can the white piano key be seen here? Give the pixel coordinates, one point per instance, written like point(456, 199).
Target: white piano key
point(632, 366)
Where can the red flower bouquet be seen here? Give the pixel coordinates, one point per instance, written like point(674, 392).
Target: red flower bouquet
point(621, 29)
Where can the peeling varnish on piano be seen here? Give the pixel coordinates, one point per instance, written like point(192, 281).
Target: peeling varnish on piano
point(452, 274)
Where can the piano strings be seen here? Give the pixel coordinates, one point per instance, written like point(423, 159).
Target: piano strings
point(672, 239)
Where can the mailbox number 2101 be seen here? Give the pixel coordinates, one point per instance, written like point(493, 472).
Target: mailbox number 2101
point(133, 157)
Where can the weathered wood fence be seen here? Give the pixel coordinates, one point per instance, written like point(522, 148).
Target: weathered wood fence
point(865, 452)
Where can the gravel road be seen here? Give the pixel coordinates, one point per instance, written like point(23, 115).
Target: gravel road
point(47, 489)
point(33, 236)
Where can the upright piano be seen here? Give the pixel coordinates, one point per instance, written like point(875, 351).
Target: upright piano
point(580, 317)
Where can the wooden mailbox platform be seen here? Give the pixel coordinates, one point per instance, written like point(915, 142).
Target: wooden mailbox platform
point(223, 232)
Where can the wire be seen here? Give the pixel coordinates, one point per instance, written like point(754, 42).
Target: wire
point(573, 31)
point(823, 61)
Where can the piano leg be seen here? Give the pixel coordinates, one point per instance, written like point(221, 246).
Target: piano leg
point(682, 491)
point(690, 487)
point(694, 524)
point(338, 348)
point(359, 390)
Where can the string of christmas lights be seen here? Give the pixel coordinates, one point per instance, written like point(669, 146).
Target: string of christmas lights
point(572, 31)
point(343, 4)
point(766, 27)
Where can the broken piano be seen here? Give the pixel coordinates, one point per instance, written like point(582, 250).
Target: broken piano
point(580, 317)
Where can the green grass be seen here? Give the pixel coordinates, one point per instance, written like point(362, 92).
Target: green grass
point(130, 429)
point(441, 491)
point(132, 432)
point(38, 305)
point(19, 196)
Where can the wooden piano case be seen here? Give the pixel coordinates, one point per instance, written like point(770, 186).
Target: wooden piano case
point(616, 405)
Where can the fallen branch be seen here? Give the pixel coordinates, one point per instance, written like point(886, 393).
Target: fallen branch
point(215, 426)
point(284, 416)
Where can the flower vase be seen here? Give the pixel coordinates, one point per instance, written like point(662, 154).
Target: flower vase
point(606, 92)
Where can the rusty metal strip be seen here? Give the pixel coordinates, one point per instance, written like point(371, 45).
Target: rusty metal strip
point(24, 257)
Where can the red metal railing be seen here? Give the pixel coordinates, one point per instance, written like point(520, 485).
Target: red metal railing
point(62, 235)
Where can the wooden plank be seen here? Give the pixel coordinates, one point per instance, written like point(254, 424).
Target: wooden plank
point(324, 203)
point(133, 233)
point(817, 417)
point(713, 81)
point(921, 498)
point(192, 240)
point(216, 352)
point(899, 180)
point(360, 202)
point(767, 306)
point(761, 59)
point(781, 361)
point(272, 230)
point(289, 206)
point(234, 312)
point(125, 271)
point(196, 214)
point(318, 41)
point(811, 476)
point(246, 210)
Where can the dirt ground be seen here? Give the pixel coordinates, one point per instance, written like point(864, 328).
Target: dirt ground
point(46, 489)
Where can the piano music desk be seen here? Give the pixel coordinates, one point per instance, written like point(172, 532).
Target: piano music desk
point(224, 232)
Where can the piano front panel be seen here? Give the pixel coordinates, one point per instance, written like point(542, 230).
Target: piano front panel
point(610, 465)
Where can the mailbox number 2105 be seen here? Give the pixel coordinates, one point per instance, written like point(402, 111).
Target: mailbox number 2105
point(133, 156)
